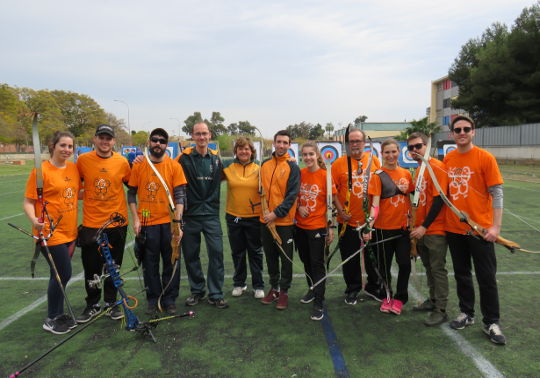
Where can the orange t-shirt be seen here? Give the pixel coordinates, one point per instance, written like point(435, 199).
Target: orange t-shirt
point(340, 175)
point(60, 190)
point(103, 180)
point(394, 211)
point(427, 192)
point(312, 195)
point(469, 176)
point(151, 195)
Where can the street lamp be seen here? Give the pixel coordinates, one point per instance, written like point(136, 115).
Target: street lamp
point(179, 126)
point(129, 126)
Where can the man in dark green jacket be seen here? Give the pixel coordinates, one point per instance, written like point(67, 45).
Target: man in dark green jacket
point(203, 170)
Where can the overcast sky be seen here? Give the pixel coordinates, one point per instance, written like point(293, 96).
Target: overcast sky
point(273, 63)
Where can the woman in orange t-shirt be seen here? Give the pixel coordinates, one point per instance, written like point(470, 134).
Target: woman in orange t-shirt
point(61, 185)
point(311, 232)
point(390, 190)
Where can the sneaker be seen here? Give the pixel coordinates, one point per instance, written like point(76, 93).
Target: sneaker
point(435, 318)
point(151, 309)
point(386, 305)
point(218, 302)
point(272, 296)
point(171, 309)
point(56, 326)
point(374, 294)
point(115, 313)
point(194, 299)
point(463, 320)
point(258, 293)
point(71, 323)
point(427, 305)
point(396, 306)
point(283, 301)
point(351, 298)
point(308, 298)
point(317, 313)
point(238, 291)
point(88, 313)
point(494, 333)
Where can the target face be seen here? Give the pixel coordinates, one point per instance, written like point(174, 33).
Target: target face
point(376, 149)
point(448, 147)
point(329, 153)
point(293, 151)
point(405, 159)
point(169, 151)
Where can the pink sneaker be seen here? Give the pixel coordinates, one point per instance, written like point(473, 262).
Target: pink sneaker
point(396, 306)
point(386, 305)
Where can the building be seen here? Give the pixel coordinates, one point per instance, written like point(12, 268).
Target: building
point(443, 91)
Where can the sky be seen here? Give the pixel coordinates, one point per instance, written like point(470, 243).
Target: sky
point(272, 63)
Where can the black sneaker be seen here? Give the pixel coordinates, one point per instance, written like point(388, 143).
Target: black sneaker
point(308, 298)
point(375, 294)
point(351, 298)
point(317, 313)
point(463, 320)
point(88, 313)
point(115, 313)
point(218, 302)
point(71, 323)
point(194, 299)
point(56, 326)
point(494, 333)
point(427, 305)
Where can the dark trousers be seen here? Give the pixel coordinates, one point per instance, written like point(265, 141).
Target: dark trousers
point(432, 249)
point(279, 278)
point(93, 263)
point(401, 247)
point(210, 227)
point(310, 244)
point(463, 248)
point(245, 239)
point(62, 261)
point(352, 272)
point(156, 247)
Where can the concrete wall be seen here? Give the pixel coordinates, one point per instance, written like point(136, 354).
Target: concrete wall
point(515, 152)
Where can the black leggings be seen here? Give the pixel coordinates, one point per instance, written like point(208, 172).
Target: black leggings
point(401, 247)
point(310, 244)
point(62, 260)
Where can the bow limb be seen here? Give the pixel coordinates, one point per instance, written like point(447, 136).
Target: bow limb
point(463, 217)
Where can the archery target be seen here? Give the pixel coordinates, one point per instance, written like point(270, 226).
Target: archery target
point(330, 150)
point(376, 149)
point(170, 151)
point(448, 147)
point(293, 151)
point(405, 159)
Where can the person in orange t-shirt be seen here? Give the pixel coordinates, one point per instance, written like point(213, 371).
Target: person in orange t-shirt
point(311, 231)
point(349, 204)
point(61, 185)
point(429, 231)
point(475, 187)
point(390, 189)
point(154, 232)
point(104, 174)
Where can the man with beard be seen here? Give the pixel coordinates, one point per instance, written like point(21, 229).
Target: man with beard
point(152, 222)
point(103, 173)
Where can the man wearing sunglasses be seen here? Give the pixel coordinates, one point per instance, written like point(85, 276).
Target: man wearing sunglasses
point(429, 230)
point(152, 221)
point(475, 188)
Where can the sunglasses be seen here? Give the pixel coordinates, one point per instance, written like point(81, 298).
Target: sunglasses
point(417, 146)
point(158, 140)
point(466, 129)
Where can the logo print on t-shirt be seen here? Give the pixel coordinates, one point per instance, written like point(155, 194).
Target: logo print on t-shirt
point(459, 182)
point(68, 195)
point(101, 186)
point(358, 185)
point(152, 190)
point(308, 196)
point(403, 185)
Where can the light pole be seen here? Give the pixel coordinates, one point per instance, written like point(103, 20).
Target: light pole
point(179, 126)
point(128, 125)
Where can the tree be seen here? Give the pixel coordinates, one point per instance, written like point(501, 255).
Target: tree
point(216, 124)
point(422, 126)
point(139, 138)
point(190, 121)
point(300, 130)
point(359, 120)
point(329, 128)
point(232, 128)
point(316, 132)
point(246, 128)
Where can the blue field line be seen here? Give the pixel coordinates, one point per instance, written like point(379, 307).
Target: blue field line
point(333, 347)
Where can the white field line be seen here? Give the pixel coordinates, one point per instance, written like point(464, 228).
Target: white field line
point(7, 193)
point(11, 216)
point(486, 368)
point(16, 316)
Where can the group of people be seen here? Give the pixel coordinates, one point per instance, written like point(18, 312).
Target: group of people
point(271, 208)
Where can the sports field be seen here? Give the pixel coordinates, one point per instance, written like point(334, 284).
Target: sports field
point(250, 339)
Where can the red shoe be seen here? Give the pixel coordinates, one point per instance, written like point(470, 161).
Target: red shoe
point(270, 297)
point(396, 306)
point(386, 305)
point(283, 301)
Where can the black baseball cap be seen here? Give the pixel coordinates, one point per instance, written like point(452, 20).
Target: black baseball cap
point(105, 129)
point(160, 131)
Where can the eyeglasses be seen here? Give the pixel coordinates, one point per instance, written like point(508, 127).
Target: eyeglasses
point(417, 146)
point(158, 140)
point(356, 141)
point(201, 134)
point(466, 129)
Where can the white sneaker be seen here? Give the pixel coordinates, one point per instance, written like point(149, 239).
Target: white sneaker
point(238, 291)
point(258, 293)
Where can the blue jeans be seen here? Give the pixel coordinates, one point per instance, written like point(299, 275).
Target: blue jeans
point(62, 261)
